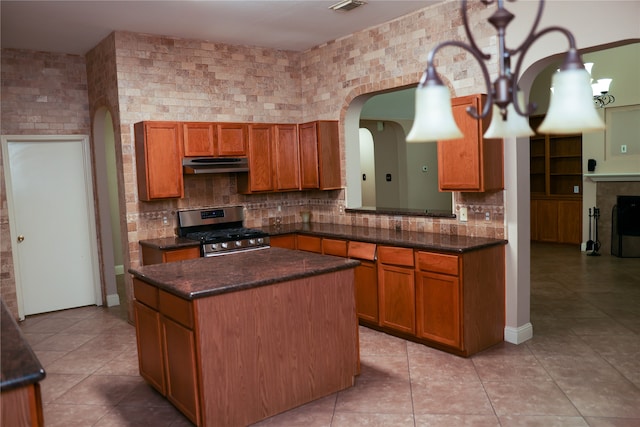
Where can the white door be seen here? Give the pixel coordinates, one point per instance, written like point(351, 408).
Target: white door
point(51, 217)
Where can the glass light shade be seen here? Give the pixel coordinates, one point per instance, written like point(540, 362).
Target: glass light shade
point(571, 109)
point(601, 86)
point(515, 125)
point(433, 118)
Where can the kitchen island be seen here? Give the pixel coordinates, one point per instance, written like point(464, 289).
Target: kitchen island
point(234, 339)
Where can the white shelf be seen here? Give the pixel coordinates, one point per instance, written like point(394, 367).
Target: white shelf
point(620, 177)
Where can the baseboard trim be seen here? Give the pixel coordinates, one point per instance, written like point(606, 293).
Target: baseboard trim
point(119, 269)
point(113, 300)
point(518, 335)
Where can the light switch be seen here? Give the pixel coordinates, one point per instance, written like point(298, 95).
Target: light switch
point(463, 214)
point(623, 149)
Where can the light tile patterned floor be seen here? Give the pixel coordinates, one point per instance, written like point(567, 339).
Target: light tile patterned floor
point(582, 368)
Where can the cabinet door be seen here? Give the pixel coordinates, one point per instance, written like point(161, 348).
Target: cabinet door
point(397, 297)
point(260, 163)
point(181, 254)
point(366, 284)
point(159, 160)
point(182, 380)
point(309, 176)
point(287, 241)
point(231, 140)
point(547, 219)
point(570, 221)
point(329, 155)
point(438, 309)
point(470, 163)
point(199, 139)
point(309, 243)
point(149, 339)
point(334, 247)
point(287, 170)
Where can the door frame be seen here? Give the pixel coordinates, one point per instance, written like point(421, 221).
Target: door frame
point(88, 179)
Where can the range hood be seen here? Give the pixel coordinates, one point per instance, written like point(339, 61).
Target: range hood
point(199, 165)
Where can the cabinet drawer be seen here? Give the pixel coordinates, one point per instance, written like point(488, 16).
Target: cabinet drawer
point(181, 254)
point(361, 250)
point(334, 247)
point(176, 308)
point(309, 243)
point(395, 256)
point(145, 293)
point(438, 263)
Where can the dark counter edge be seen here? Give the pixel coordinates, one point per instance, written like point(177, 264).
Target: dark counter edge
point(403, 212)
point(247, 285)
point(11, 330)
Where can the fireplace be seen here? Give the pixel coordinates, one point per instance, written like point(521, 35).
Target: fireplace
point(625, 227)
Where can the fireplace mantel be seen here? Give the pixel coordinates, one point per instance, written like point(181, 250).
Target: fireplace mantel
point(612, 177)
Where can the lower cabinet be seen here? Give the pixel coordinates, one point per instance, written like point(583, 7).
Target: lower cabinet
point(309, 243)
point(287, 241)
point(152, 255)
point(396, 289)
point(555, 220)
point(366, 281)
point(166, 347)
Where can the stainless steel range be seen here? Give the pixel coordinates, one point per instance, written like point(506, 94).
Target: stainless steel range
point(220, 231)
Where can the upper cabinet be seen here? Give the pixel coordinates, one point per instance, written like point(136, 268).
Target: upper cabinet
point(320, 155)
point(199, 139)
point(287, 169)
point(231, 140)
point(471, 163)
point(159, 160)
point(215, 139)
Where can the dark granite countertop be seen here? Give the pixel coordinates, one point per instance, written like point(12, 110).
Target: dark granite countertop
point(408, 239)
point(165, 243)
point(20, 366)
point(202, 277)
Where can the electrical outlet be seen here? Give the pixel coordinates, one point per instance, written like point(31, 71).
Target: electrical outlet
point(463, 214)
point(623, 149)
point(487, 216)
point(165, 220)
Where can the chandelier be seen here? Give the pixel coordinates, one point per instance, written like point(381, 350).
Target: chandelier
point(600, 89)
point(571, 108)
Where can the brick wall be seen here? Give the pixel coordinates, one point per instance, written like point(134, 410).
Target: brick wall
point(42, 94)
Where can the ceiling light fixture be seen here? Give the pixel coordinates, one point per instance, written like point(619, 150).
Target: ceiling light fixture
point(571, 108)
point(347, 5)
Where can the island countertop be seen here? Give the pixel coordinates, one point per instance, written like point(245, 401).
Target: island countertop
point(20, 366)
point(202, 277)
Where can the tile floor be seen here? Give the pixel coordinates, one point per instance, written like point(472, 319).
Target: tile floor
point(582, 368)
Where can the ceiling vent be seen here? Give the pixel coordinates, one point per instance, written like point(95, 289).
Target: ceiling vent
point(347, 5)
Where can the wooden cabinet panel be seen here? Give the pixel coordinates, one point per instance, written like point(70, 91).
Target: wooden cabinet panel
point(397, 297)
point(309, 176)
point(570, 221)
point(261, 173)
point(471, 163)
point(395, 256)
point(437, 263)
point(22, 407)
point(150, 349)
point(182, 379)
point(547, 216)
point(231, 140)
point(286, 163)
point(334, 247)
point(176, 308)
point(438, 310)
point(309, 243)
point(320, 155)
point(159, 160)
point(366, 285)
point(362, 250)
point(534, 219)
point(287, 241)
point(199, 139)
point(152, 255)
point(145, 293)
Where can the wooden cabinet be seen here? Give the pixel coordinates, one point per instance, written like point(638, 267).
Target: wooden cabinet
point(309, 243)
point(556, 220)
point(396, 289)
point(231, 140)
point(366, 280)
point(335, 247)
point(153, 255)
point(159, 160)
point(166, 346)
point(556, 186)
point(260, 148)
point(287, 169)
point(471, 163)
point(287, 241)
point(438, 303)
point(199, 139)
point(320, 155)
